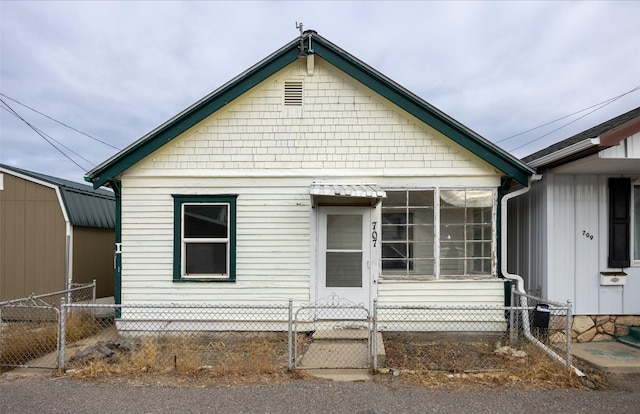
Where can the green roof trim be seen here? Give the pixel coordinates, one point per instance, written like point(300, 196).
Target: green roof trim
point(342, 60)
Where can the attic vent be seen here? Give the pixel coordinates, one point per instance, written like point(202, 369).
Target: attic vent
point(293, 93)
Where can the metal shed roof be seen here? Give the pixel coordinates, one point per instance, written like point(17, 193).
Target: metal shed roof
point(85, 206)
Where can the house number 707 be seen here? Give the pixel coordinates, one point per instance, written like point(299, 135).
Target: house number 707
point(587, 234)
point(374, 233)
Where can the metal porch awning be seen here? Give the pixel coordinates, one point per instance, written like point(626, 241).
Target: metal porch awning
point(346, 194)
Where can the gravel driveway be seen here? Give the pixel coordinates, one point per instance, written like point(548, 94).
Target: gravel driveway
point(65, 395)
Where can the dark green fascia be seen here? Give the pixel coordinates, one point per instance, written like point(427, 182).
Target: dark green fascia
point(178, 199)
point(420, 110)
point(191, 117)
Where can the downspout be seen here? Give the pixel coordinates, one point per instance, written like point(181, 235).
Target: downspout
point(68, 240)
point(517, 279)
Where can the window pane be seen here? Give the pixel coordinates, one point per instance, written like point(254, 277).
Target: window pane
point(636, 221)
point(394, 218)
point(395, 199)
point(394, 233)
point(479, 215)
point(479, 198)
point(394, 250)
point(420, 215)
point(205, 221)
point(206, 258)
point(452, 198)
point(421, 198)
point(421, 267)
point(452, 215)
point(344, 269)
point(344, 231)
point(452, 267)
point(452, 232)
point(479, 232)
point(479, 266)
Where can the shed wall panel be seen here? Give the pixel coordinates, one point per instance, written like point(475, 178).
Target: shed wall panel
point(93, 258)
point(32, 239)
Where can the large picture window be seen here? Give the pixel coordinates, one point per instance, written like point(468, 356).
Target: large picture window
point(204, 246)
point(438, 233)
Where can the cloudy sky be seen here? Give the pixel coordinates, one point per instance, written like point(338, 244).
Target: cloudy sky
point(113, 71)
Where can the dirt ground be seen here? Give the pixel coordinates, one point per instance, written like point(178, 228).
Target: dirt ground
point(411, 361)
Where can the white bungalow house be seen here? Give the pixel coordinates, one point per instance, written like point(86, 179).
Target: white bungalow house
point(308, 175)
point(576, 235)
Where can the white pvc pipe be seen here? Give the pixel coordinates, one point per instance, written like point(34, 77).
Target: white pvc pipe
point(519, 282)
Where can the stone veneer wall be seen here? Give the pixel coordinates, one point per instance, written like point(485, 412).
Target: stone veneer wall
point(595, 328)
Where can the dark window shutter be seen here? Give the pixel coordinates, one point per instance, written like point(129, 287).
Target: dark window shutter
point(619, 222)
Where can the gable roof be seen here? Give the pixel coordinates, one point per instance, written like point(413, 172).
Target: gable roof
point(84, 205)
point(313, 44)
point(588, 142)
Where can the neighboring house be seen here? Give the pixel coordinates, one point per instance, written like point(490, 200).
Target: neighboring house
point(308, 175)
point(53, 233)
point(576, 235)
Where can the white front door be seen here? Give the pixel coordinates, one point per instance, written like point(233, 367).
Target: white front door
point(344, 254)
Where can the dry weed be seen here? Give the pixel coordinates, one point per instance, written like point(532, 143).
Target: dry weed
point(26, 339)
point(185, 356)
point(460, 364)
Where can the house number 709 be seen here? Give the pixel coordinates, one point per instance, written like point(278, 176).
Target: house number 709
point(587, 234)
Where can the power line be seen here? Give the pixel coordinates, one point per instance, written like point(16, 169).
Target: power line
point(12, 111)
point(597, 107)
point(59, 122)
point(54, 140)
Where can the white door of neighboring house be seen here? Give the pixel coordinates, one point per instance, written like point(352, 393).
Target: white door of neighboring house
point(344, 254)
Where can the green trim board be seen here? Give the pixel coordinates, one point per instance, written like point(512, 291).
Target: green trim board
point(178, 201)
point(342, 60)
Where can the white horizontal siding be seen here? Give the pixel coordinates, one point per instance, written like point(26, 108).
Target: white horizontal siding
point(272, 236)
point(441, 292)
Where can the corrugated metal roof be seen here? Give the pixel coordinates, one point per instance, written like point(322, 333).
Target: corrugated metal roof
point(85, 206)
point(347, 190)
point(331, 193)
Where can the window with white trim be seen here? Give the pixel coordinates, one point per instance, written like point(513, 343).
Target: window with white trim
point(438, 232)
point(204, 245)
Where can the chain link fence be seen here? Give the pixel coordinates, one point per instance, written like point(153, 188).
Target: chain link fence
point(30, 327)
point(544, 323)
point(464, 339)
point(177, 337)
point(330, 333)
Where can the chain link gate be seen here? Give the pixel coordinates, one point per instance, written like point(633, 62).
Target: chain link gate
point(29, 334)
point(332, 333)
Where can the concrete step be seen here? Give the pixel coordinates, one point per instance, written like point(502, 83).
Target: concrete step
point(340, 349)
point(629, 340)
point(634, 332)
point(331, 334)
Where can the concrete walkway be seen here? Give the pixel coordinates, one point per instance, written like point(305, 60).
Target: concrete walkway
point(340, 355)
point(611, 356)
